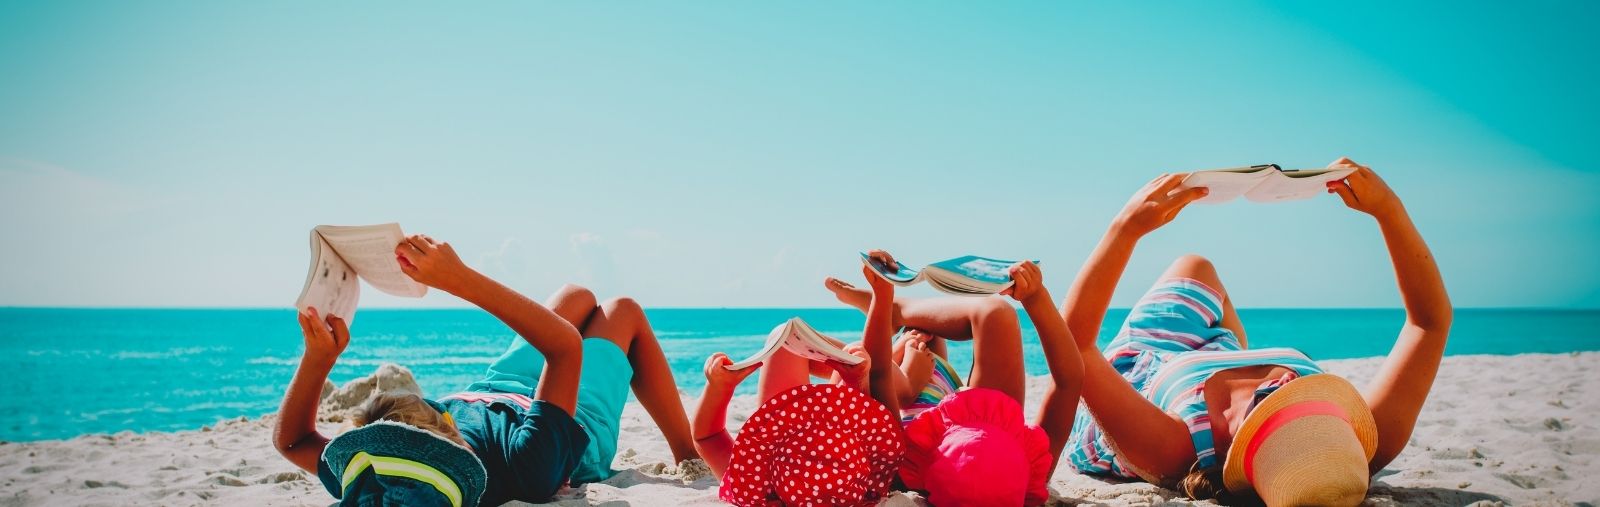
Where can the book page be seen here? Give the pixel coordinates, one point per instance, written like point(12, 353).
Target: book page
point(1228, 184)
point(369, 249)
point(1296, 185)
point(775, 340)
point(331, 284)
point(805, 341)
point(959, 286)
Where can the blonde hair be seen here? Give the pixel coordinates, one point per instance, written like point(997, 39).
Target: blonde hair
point(408, 409)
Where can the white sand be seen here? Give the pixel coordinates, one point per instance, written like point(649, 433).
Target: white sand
point(1517, 430)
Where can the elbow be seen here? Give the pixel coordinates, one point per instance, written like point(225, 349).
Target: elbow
point(1068, 377)
point(285, 446)
point(566, 345)
point(1436, 318)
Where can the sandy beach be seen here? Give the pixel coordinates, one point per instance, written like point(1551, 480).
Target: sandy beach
point(1513, 430)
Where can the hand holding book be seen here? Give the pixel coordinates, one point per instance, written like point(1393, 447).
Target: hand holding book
point(968, 275)
point(341, 256)
point(431, 263)
point(720, 376)
point(1364, 191)
point(1157, 203)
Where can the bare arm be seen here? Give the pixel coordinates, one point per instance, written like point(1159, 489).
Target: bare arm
point(1154, 442)
point(436, 264)
point(295, 434)
point(1397, 392)
point(1061, 354)
point(884, 379)
point(710, 425)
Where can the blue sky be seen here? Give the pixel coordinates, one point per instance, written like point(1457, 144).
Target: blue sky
point(733, 154)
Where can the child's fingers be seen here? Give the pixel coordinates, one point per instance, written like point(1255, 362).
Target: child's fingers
point(416, 241)
point(1168, 182)
point(745, 372)
point(341, 331)
point(1345, 193)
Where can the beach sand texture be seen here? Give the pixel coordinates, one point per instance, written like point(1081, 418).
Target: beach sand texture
point(1514, 430)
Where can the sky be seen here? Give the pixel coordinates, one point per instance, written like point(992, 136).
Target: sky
point(732, 154)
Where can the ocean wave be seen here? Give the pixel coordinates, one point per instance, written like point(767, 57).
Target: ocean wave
point(377, 361)
point(166, 354)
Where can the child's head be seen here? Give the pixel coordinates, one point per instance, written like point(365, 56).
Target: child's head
point(814, 444)
point(1308, 443)
point(975, 448)
point(409, 409)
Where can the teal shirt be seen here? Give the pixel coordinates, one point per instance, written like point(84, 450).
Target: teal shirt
point(529, 453)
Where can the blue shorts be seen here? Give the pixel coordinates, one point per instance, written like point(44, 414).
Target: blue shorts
point(602, 392)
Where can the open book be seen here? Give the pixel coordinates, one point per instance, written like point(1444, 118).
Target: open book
point(968, 275)
point(797, 336)
point(1264, 183)
point(340, 255)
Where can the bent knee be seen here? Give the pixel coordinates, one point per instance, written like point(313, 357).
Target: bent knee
point(1192, 266)
point(621, 304)
point(1192, 262)
point(577, 293)
point(995, 310)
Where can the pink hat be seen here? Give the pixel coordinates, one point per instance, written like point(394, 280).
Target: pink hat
point(817, 444)
point(974, 449)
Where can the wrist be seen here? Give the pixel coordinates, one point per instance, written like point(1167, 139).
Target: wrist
point(1391, 213)
point(1122, 229)
point(717, 390)
point(1038, 298)
point(318, 362)
point(463, 284)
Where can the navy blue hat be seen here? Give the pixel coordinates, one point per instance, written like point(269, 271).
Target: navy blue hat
point(392, 463)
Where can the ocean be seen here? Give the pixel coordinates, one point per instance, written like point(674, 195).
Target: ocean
point(70, 372)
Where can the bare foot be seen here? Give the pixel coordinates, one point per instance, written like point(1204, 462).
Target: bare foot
point(849, 294)
point(918, 369)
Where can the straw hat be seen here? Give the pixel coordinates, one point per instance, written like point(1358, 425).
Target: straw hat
point(1308, 443)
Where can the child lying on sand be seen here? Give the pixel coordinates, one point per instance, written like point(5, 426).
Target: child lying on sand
point(546, 413)
point(1182, 401)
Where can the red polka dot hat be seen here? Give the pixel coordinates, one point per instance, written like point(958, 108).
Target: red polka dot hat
point(817, 444)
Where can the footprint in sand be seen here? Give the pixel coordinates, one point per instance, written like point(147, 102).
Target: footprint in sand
point(226, 479)
point(281, 477)
point(1524, 481)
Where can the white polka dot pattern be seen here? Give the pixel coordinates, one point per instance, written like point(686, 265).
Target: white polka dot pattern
point(817, 444)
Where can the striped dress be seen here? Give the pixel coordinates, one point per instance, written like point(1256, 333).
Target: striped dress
point(1167, 348)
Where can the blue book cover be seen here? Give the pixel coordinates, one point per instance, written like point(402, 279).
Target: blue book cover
point(968, 275)
point(982, 269)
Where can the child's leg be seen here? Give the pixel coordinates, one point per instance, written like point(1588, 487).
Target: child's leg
point(573, 303)
point(996, 347)
point(622, 321)
point(1198, 268)
point(916, 367)
point(782, 372)
point(942, 317)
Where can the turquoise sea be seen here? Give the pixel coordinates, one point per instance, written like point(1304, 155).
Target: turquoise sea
point(69, 372)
